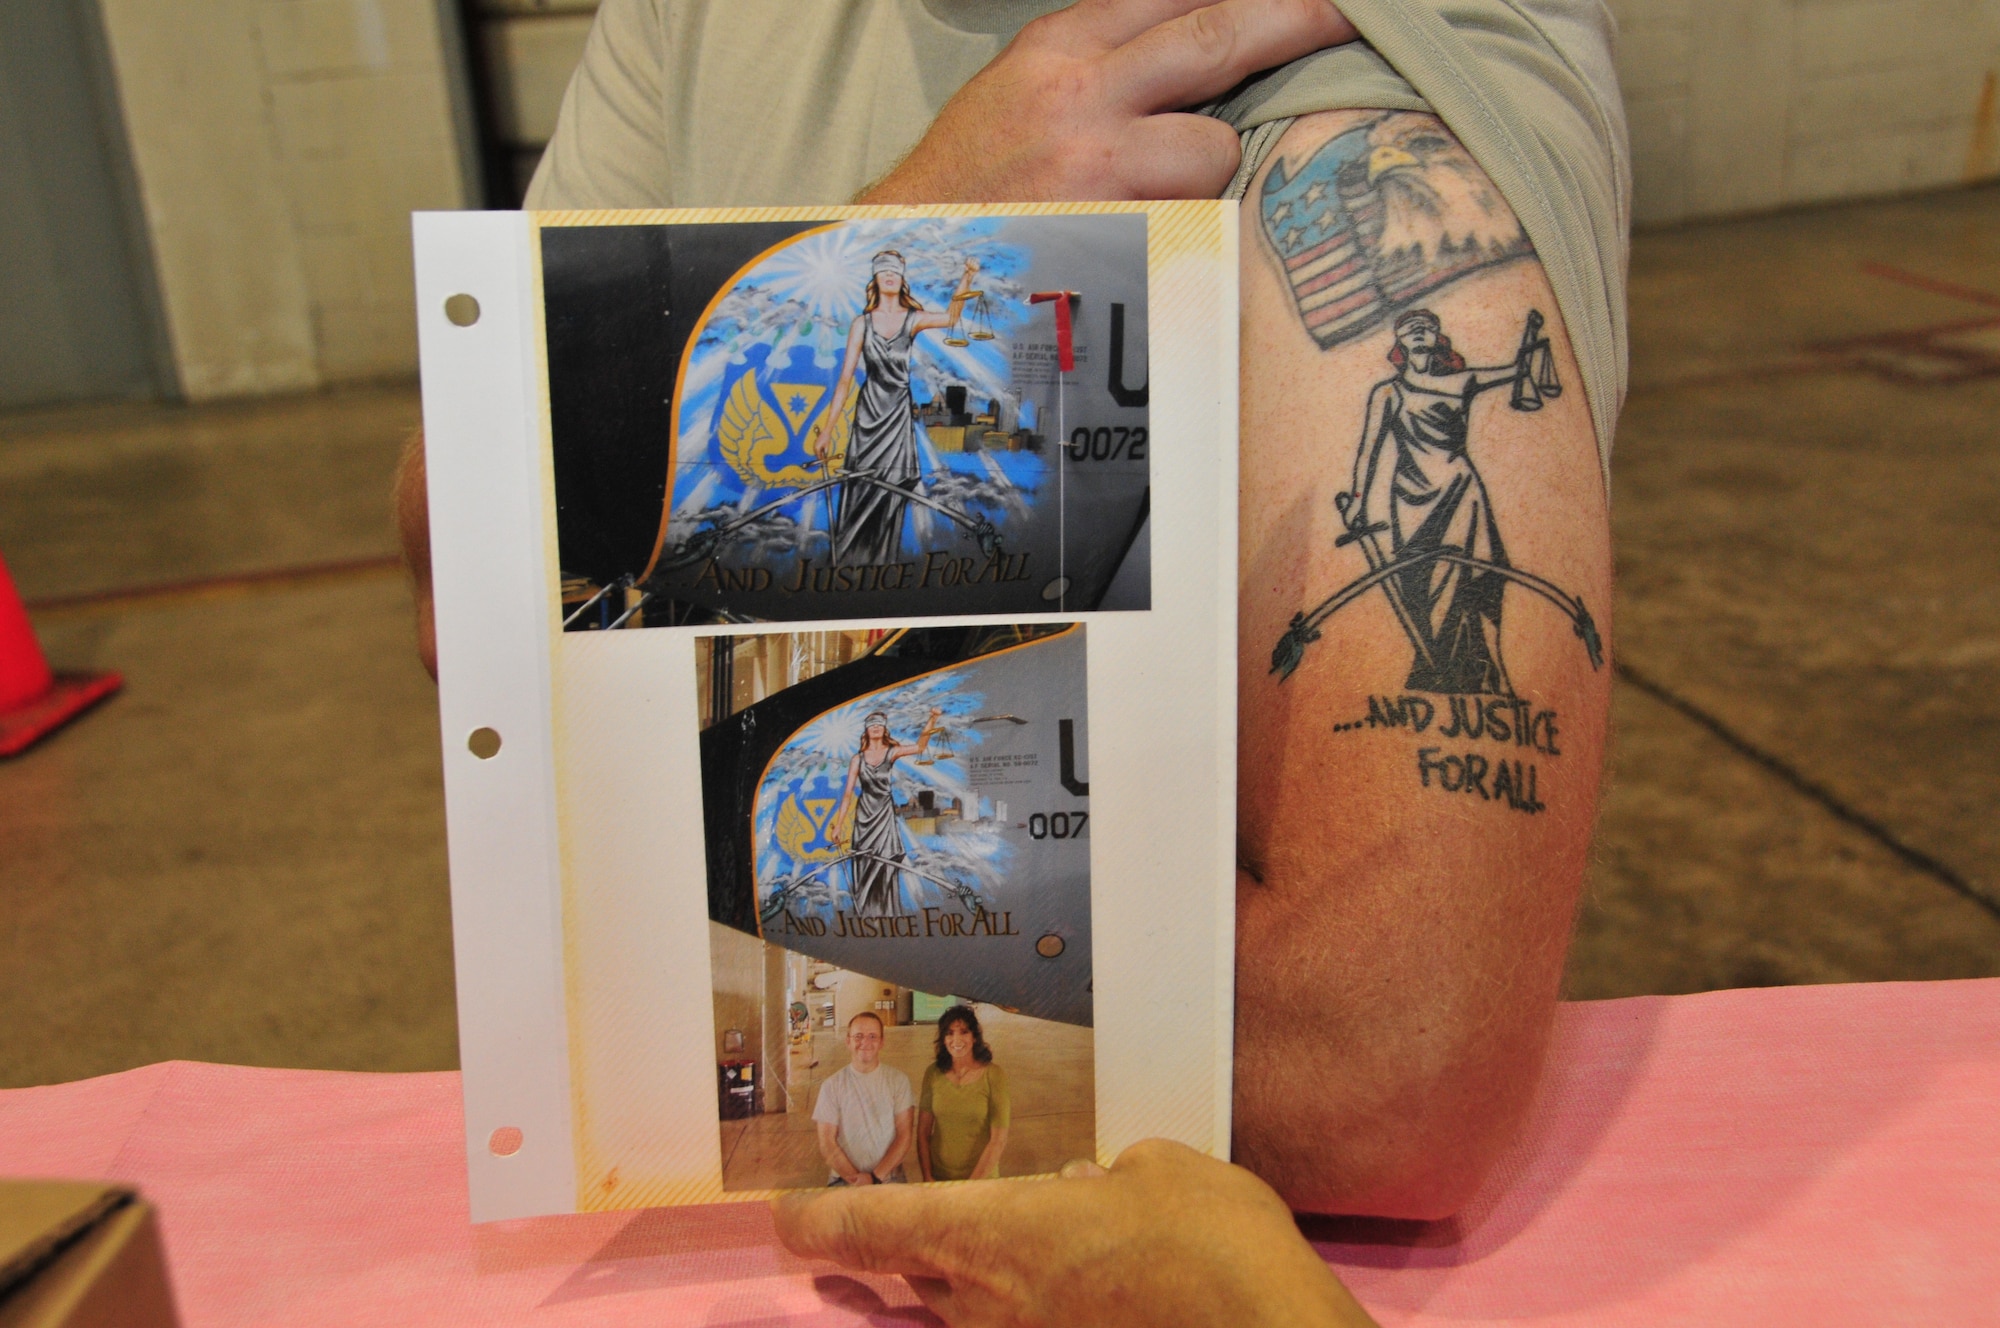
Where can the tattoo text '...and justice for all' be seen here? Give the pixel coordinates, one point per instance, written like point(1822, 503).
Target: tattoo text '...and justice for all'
point(1504, 721)
point(1374, 220)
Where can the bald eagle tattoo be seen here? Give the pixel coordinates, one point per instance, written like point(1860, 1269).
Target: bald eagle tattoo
point(1381, 217)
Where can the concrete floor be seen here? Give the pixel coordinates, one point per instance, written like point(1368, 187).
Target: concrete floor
point(241, 858)
point(1806, 505)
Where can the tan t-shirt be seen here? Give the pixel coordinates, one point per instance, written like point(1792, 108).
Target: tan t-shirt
point(704, 103)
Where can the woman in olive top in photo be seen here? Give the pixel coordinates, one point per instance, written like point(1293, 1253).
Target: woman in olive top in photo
point(963, 1112)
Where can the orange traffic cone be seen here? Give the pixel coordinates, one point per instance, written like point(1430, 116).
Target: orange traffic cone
point(33, 701)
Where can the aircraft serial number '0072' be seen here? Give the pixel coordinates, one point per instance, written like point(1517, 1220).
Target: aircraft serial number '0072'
point(921, 815)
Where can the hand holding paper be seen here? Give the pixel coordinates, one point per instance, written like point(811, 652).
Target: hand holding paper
point(1091, 1247)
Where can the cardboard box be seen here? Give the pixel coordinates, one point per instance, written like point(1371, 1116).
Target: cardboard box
point(80, 1254)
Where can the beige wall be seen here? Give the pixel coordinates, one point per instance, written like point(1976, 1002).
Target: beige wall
point(736, 967)
point(1747, 105)
point(751, 982)
point(860, 994)
point(280, 146)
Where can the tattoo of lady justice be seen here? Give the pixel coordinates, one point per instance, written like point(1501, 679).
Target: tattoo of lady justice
point(1401, 212)
point(1419, 512)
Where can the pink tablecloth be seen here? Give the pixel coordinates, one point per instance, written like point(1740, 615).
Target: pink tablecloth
point(1808, 1155)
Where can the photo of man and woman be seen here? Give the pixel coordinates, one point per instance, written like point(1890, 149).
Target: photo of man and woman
point(894, 816)
point(963, 1113)
point(829, 1077)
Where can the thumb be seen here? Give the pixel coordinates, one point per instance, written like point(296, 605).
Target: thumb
point(1178, 156)
point(878, 1229)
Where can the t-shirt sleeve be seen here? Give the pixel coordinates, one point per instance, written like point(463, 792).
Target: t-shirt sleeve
point(1529, 88)
point(901, 1089)
point(1000, 1105)
point(610, 144)
point(826, 1108)
point(924, 1098)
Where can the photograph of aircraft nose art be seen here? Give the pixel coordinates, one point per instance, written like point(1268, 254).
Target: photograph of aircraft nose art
point(878, 417)
point(898, 832)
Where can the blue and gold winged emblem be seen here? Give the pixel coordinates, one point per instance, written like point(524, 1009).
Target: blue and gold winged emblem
point(805, 828)
point(765, 419)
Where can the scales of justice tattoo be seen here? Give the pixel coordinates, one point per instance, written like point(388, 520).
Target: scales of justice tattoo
point(1377, 218)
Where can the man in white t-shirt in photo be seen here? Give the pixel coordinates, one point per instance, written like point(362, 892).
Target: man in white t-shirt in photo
point(864, 1111)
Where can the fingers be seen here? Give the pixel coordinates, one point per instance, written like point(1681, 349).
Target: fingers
point(1175, 1167)
point(936, 1295)
point(1109, 23)
point(1206, 52)
point(1081, 1169)
point(1177, 156)
point(899, 1229)
point(1162, 1163)
point(1151, 1153)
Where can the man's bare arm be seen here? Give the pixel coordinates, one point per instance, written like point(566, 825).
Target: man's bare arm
point(410, 500)
point(900, 1144)
point(1423, 696)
